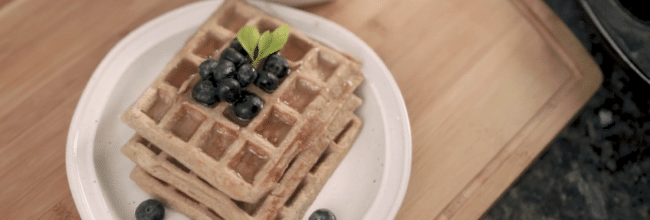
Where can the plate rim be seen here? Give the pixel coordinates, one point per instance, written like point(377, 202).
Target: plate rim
point(82, 191)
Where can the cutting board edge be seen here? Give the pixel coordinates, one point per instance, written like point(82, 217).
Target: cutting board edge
point(495, 178)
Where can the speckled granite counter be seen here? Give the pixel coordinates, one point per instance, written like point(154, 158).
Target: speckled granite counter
point(598, 167)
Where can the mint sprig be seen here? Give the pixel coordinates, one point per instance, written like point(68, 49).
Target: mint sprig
point(248, 37)
point(266, 43)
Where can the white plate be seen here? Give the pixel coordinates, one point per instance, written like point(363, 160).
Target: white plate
point(370, 183)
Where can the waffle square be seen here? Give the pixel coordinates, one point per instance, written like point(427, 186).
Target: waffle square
point(243, 159)
point(179, 188)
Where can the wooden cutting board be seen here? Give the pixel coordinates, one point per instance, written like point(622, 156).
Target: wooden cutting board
point(487, 85)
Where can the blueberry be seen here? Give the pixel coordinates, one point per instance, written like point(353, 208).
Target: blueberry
point(246, 75)
point(267, 81)
point(277, 64)
point(225, 69)
point(205, 93)
point(206, 69)
point(150, 210)
point(322, 214)
point(233, 56)
point(234, 44)
point(248, 106)
point(228, 90)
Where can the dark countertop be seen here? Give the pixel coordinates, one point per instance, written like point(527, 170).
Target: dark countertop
point(598, 167)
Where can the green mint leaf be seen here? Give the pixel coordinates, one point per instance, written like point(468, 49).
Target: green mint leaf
point(263, 44)
point(280, 36)
point(265, 41)
point(248, 36)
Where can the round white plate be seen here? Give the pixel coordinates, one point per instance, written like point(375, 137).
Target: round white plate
point(370, 183)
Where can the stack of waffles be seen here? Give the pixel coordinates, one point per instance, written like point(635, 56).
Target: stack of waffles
point(206, 163)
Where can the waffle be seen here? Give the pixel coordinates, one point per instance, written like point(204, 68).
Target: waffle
point(180, 189)
point(243, 159)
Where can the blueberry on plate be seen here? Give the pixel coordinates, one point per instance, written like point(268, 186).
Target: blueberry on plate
point(205, 93)
point(277, 65)
point(225, 69)
point(228, 90)
point(248, 106)
point(267, 81)
point(206, 69)
point(246, 75)
point(322, 214)
point(150, 210)
point(233, 56)
point(235, 44)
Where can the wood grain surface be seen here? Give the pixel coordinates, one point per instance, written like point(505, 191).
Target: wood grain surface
point(487, 85)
